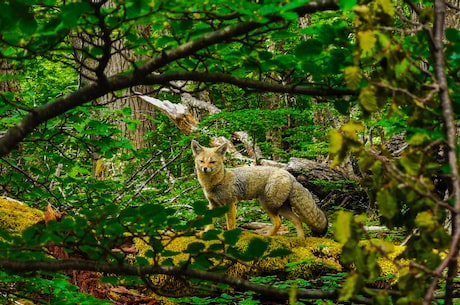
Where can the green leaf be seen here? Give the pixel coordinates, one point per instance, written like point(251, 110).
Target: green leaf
point(231, 237)
point(411, 164)
point(142, 261)
point(351, 286)
point(113, 280)
point(211, 235)
point(384, 39)
point(71, 13)
point(269, 9)
point(368, 100)
point(290, 15)
point(168, 262)
point(342, 106)
point(127, 111)
point(293, 4)
point(217, 211)
point(307, 48)
point(265, 55)
point(279, 252)
point(388, 206)
point(387, 7)
point(195, 248)
point(418, 139)
point(402, 68)
point(7, 17)
point(256, 247)
point(279, 35)
point(27, 25)
point(347, 5)
point(453, 35)
point(352, 77)
point(335, 141)
point(216, 247)
point(132, 125)
point(343, 225)
point(167, 253)
point(201, 263)
point(200, 207)
point(136, 8)
point(425, 220)
point(367, 41)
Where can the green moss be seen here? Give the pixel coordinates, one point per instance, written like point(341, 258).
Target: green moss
point(319, 256)
point(389, 263)
point(167, 285)
point(310, 257)
point(16, 216)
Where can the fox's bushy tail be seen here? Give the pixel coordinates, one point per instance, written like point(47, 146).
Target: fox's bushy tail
point(304, 205)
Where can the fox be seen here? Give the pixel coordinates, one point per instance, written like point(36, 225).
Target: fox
point(276, 190)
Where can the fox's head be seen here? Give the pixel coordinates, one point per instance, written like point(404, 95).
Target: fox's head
point(208, 160)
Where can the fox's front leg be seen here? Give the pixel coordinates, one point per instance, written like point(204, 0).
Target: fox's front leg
point(231, 216)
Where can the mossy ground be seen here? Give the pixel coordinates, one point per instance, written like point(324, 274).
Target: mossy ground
point(16, 216)
point(310, 257)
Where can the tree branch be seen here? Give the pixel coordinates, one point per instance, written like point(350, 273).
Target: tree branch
point(39, 115)
point(92, 91)
point(225, 34)
point(245, 83)
point(238, 283)
point(451, 259)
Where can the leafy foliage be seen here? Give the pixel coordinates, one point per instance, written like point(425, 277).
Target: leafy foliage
point(54, 288)
point(346, 69)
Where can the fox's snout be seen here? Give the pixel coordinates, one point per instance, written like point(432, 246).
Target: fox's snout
point(206, 164)
point(205, 169)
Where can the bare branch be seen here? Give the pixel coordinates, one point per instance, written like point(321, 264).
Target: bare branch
point(452, 6)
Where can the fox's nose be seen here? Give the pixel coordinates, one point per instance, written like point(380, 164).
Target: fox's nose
point(206, 169)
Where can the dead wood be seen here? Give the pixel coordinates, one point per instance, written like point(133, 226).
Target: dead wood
point(332, 186)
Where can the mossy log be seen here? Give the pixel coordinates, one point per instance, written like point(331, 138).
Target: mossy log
point(16, 216)
point(310, 258)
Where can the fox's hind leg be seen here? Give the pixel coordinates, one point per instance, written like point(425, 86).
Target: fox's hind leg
point(276, 220)
point(276, 192)
point(288, 213)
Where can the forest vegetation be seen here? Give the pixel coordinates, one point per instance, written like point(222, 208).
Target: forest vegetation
point(100, 99)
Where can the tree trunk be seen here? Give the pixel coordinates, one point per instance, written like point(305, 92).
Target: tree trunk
point(141, 111)
point(119, 59)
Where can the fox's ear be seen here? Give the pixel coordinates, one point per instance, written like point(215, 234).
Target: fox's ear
point(221, 150)
point(196, 148)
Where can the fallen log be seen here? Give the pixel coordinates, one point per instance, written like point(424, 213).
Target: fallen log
point(332, 186)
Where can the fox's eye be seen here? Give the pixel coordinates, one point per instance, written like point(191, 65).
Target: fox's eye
point(212, 162)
